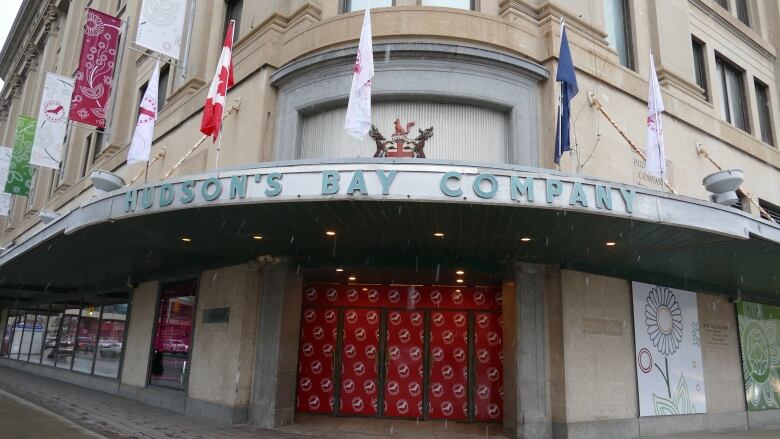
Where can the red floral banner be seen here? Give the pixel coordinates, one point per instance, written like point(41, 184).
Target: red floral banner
point(96, 69)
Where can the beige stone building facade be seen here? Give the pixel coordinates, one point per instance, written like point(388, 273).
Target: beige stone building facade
point(196, 302)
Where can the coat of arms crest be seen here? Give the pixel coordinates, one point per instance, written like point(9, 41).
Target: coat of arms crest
point(400, 143)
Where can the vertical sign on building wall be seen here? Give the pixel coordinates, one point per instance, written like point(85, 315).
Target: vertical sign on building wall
point(5, 162)
point(161, 26)
point(669, 368)
point(759, 338)
point(52, 121)
point(19, 172)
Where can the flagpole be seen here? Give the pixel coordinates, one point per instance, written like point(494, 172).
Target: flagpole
point(117, 71)
point(219, 136)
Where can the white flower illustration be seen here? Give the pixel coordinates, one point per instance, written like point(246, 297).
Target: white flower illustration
point(663, 318)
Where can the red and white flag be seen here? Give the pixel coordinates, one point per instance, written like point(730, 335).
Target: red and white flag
point(147, 115)
point(655, 163)
point(359, 108)
point(223, 80)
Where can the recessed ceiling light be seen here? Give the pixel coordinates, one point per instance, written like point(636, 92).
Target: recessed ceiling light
point(339, 269)
point(187, 239)
point(611, 243)
point(525, 239)
point(352, 278)
point(460, 281)
point(364, 289)
point(459, 272)
point(330, 233)
point(257, 237)
point(439, 235)
point(457, 291)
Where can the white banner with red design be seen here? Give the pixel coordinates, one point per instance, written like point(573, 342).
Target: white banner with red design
point(141, 146)
point(161, 26)
point(52, 121)
point(96, 69)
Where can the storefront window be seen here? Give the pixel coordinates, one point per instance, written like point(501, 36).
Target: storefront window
point(66, 342)
point(50, 339)
point(37, 334)
point(86, 341)
point(112, 335)
point(27, 335)
point(173, 335)
point(8, 334)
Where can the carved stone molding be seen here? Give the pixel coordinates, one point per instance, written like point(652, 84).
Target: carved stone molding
point(550, 11)
point(31, 57)
point(5, 106)
point(51, 19)
point(14, 85)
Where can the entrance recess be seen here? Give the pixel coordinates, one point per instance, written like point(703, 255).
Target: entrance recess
point(390, 351)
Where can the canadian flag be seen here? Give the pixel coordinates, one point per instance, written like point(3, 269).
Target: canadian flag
point(147, 115)
point(359, 108)
point(223, 79)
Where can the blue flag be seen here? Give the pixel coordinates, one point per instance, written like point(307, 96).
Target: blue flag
point(569, 89)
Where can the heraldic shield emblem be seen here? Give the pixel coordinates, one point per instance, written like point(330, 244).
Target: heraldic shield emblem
point(400, 143)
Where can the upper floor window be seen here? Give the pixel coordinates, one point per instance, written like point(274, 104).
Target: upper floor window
point(742, 12)
point(764, 112)
point(733, 101)
point(618, 27)
point(722, 3)
point(460, 4)
point(359, 5)
point(233, 12)
point(699, 66)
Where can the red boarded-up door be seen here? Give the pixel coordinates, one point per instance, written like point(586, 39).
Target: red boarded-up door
point(404, 364)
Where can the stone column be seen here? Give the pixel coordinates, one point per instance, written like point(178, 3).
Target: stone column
point(526, 401)
point(276, 353)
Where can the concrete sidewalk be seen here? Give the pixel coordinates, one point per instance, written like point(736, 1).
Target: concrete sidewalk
point(34, 407)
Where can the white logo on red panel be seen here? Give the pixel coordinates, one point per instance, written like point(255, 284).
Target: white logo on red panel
point(483, 355)
point(499, 298)
point(414, 388)
point(305, 384)
point(307, 349)
point(459, 390)
point(350, 351)
point(348, 385)
point(435, 297)
point(447, 372)
point(437, 389)
point(370, 351)
point(393, 388)
point(359, 368)
point(309, 315)
point(361, 334)
point(330, 403)
point(357, 404)
point(438, 353)
point(404, 335)
point(326, 384)
point(372, 317)
point(479, 298)
point(402, 406)
point(373, 296)
point(369, 386)
point(314, 402)
point(352, 317)
point(316, 367)
point(330, 316)
point(493, 411)
point(414, 296)
point(420, 370)
point(437, 318)
point(395, 318)
point(318, 333)
point(500, 321)
point(394, 296)
point(501, 391)
point(394, 351)
point(457, 297)
point(483, 391)
point(415, 353)
point(403, 370)
point(483, 321)
point(493, 339)
point(493, 374)
point(459, 320)
point(327, 350)
point(448, 337)
point(416, 319)
point(459, 354)
point(447, 409)
point(501, 354)
point(311, 294)
point(352, 295)
point(332, 295)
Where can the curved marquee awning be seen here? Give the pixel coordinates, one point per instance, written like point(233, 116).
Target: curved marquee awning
point(385, 213)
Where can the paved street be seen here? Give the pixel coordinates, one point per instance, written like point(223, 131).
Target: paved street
point(33, 407)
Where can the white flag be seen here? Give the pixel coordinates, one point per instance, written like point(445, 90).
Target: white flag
point(656, 158)
point(161, 26)
point(52, 121)
point(5, 163)
point(359, 108)
point(147, 115)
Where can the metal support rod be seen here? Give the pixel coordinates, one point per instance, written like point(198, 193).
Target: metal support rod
point(740, 192)
point(156, 157)
point(594, 102)
point(186, 61)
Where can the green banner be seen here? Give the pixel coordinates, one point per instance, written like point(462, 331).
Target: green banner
point(20, 172)
point(759, 337)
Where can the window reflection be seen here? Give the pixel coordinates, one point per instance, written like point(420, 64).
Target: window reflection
point(173, 335)
point(86, 341)
point(50, 338)
point(9, 334)
point(36, 347)
point(359, 5)
point(66, 341)
point(112, 335)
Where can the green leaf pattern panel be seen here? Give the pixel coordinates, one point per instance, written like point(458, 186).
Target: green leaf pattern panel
point(19, 172)
point(759, 338)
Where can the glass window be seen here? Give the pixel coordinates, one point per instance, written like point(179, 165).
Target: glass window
point(699, 64)
point(9, 333)
point(50, 339)
point(66, 341)
point(359, 5)
point(722, 3)
point(764, 112)
point(173, 335)
point(86, 340)
point(742, 12)
point(112, 335)
point(162, 88)
point(618, 28)
point(733, 102)
point(462, 4)
point(36, 346)
point(234, 8)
